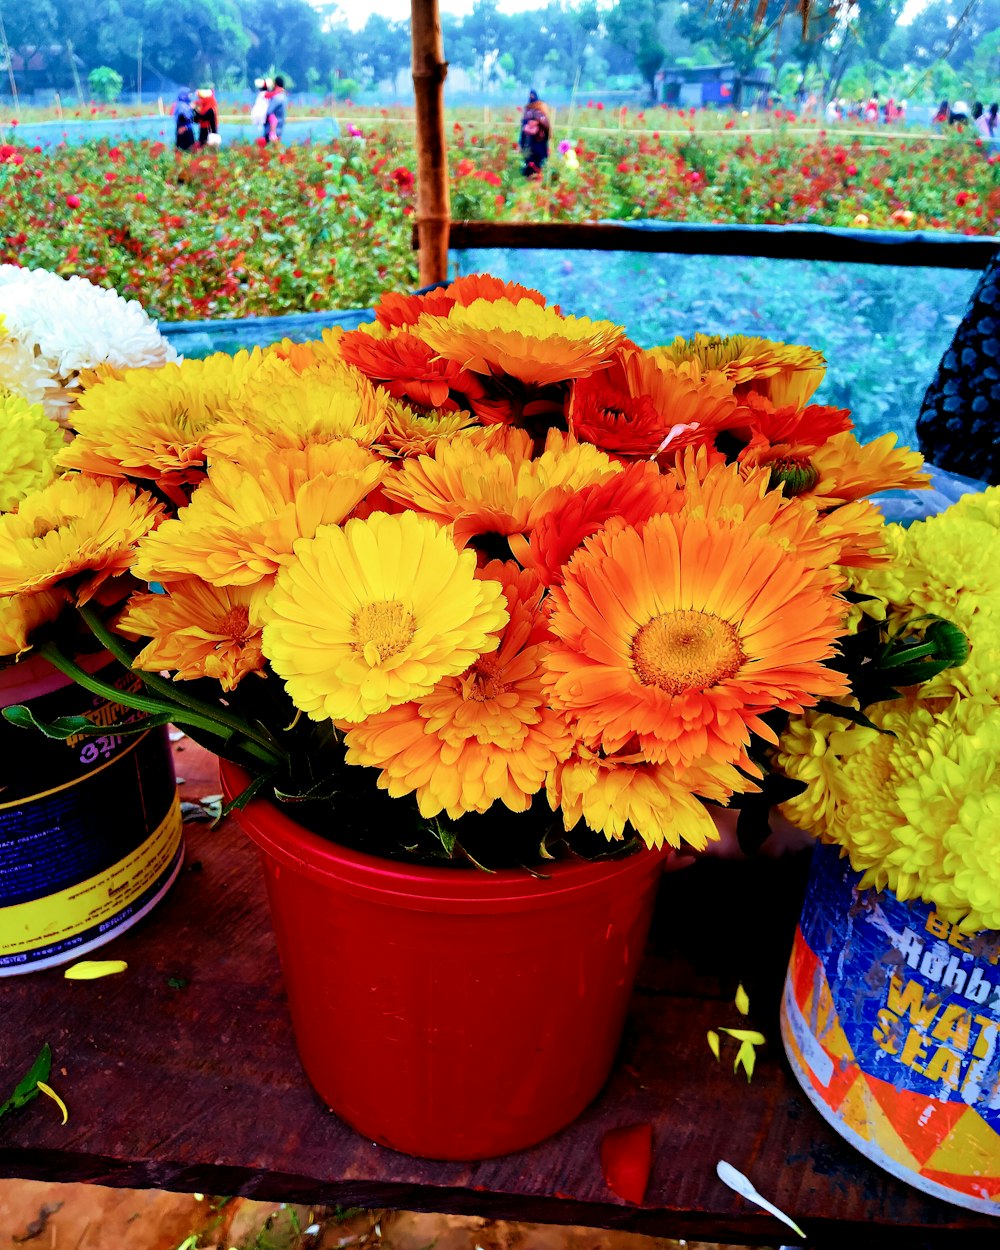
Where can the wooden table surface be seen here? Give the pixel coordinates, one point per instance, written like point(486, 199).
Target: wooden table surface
point(199, 1088)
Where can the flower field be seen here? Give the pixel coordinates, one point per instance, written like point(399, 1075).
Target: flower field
point(257, 231)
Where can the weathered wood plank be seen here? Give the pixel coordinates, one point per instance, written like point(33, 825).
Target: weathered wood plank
point(199, 1088)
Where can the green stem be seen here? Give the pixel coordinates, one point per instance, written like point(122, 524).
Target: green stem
point(142, 703)
point(173, 694)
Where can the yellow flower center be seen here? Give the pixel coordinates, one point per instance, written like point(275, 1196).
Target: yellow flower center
point(382, 629)
point(686, 650)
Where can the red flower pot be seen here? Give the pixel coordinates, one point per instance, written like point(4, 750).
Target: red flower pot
point(447, 1012)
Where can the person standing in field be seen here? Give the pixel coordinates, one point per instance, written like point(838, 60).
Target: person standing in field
point(277, 104)
point(536, 130)
point(258, 110)
point(183, 111)
point(206, 109)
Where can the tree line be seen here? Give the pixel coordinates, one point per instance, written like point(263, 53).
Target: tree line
point(950, 48)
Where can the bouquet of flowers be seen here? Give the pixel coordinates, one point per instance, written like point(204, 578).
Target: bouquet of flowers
point(472, 559)
point(911, 791)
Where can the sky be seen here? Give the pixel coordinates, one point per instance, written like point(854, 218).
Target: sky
point(357, 11)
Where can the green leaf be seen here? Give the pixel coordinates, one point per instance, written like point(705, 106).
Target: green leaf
point(27, 1086)
point(64, 727)
point(239, 802)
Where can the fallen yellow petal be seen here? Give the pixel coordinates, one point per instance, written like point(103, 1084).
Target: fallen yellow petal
point(51, 1093)
point(713, 1042)
point(746, 1035)
point(92, 969)
point(742, 1000)
point(748, 1057)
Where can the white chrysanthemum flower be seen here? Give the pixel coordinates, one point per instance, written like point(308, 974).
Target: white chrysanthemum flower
point(68, 324)
point(22, 373)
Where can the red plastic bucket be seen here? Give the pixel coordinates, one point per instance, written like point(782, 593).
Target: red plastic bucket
point(451, 1013)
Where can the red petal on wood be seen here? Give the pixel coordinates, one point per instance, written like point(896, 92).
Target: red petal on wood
point(626, 1160)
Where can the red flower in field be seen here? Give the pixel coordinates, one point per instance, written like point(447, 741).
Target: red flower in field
point(261, 141)
point(13, 121)
point(403, 178)
point(490, 177)
point(963, 197)
point(623, 167)
point(851, 170)
point(600, 106)
point(110, 177)
point(142, 197)
point(463, 168)
point(73, 201)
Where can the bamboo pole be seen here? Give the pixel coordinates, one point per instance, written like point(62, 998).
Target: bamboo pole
point(433, 204)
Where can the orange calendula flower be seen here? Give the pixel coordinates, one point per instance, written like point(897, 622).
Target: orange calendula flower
point(521, 340)
point(409, 369)
point(242, 524)
point(21, 615)
point(695, 403)
point(634, 495)
point(394, 310)
point(197, 630)
point(684, 632)
point(479, 737)
point(76, 532)
point(488, 482)
point(150, 424)
point(769, 428)
point(660, 804)
point(376, 614)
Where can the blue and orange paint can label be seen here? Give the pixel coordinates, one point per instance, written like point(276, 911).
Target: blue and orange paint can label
point(890, 1020)
point(90, 830)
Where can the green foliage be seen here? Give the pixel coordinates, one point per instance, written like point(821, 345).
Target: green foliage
point(345, 88)
point(105, 84)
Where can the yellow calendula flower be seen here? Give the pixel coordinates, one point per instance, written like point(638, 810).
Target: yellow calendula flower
point(77, 531)
point(29, 444)
point(243, 522)
point(283, 407)
point(375, 614)
point(784, 373)
point(21, 615)
point(409, 433)
point(659, 803)
point(521, 340)
point(198, 630)
point(150, 424)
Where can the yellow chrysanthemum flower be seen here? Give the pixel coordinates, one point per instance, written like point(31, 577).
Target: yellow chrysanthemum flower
point(483, 736)
point(537, 345)
point(948, 565)
point(281, 407)
point(917, 811)
point(243, 522)
point(784, 373)
point(375, 614)
point(487, 482)
point(29, 443)
point(77, 530)
point(197, 630)
point(21, 615)
point(150, 424)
